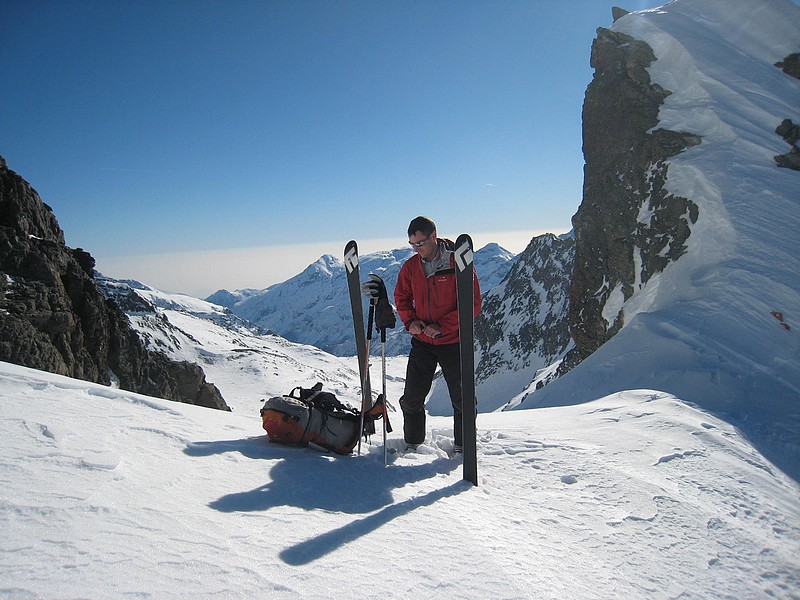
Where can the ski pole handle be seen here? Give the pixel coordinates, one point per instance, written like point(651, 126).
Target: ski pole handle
point(370, 320)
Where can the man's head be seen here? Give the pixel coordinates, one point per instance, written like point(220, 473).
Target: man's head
point(423, 225)
point(422, 237)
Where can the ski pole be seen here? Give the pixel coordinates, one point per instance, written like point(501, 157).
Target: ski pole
point(387, 426)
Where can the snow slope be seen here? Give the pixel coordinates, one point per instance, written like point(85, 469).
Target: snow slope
point(707, 328)
point(246, 368)
point(246, 365)
point(110, 494)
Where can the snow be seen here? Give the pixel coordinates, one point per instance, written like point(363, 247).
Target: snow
point(110, 494)
point(613, 305)
point(657, 468)
point(247, 368)
point(313, 307)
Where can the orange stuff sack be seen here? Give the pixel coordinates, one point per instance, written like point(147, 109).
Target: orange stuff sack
point(281, 426)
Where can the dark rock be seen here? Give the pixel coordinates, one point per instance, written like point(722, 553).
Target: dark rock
point(617, 13)
point(790, 160)
point(790, 65)
point(628, 228)
point(790, 132)
point(54, 318)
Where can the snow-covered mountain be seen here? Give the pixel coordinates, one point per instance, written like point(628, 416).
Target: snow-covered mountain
point(655, 468)
point(247, 364)
point(314, 306)
point(707, 308)
point(522, 328)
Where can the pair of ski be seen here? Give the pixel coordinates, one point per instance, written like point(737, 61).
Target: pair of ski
point(465, 272)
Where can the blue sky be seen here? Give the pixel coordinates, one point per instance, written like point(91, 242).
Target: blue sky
point(167, 133)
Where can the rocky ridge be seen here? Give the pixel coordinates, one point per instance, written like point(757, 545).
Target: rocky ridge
point(628, 227)
point(54, 318)
point(523, 320)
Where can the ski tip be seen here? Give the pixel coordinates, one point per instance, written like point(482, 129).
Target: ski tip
point(463, 253)
point(351, 256)
point(464, 237)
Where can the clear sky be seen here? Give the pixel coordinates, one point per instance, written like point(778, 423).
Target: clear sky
point(203, 144)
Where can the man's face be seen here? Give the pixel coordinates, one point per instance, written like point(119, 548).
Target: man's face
point(424, 245)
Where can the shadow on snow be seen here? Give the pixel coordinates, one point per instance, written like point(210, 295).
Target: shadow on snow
point(318, 546)
point(310, 480)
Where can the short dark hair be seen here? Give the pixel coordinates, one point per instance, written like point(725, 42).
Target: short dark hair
point(424, 225)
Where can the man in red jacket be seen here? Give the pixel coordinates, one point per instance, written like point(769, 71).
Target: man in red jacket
point(427, 304)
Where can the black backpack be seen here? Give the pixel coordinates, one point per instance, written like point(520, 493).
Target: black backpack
point(311, 416)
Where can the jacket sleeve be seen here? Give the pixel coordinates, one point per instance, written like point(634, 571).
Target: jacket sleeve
point(404, 297)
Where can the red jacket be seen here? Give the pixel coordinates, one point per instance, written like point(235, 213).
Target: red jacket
point(432, 299)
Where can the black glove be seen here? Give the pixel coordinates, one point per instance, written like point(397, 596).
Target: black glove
point(384, 313)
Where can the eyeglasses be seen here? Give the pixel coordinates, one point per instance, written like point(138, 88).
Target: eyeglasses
point(419, 243)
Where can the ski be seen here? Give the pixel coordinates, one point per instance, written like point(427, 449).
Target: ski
point(465, 273)
point(362, 349)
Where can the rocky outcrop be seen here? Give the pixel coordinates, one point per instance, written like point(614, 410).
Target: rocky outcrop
point(54, 318)
point(523, 320)
point(788, 130)
point(628, 227)
point(790, 65)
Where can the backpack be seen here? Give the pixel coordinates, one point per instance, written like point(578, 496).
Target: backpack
point(311, 416)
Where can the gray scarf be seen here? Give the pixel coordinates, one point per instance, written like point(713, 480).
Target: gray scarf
point(440, 262)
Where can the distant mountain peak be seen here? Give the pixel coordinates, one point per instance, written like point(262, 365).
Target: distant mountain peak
point(313, 307)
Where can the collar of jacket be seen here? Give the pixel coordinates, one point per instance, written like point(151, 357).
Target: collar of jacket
point(443, 259)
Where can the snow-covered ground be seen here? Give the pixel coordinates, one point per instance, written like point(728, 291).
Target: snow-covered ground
point(109, 494)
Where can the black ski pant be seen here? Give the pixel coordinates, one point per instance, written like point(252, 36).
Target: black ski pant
point(422, 363)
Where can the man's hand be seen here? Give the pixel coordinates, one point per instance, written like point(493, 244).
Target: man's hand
point(420, 327)
point(416, 327)
point(432, 330)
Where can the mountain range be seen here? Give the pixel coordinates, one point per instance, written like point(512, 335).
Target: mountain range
point(684, 252)
point(513, 341)
point(313, 307)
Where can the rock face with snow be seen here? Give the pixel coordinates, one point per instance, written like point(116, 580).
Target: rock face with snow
point(628, 226)
point(789, 130)
point(686, 276)
point(523, 325)
point(54, 318)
